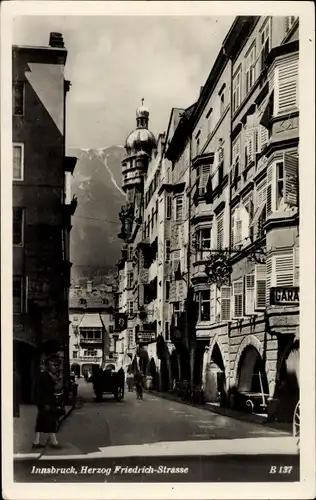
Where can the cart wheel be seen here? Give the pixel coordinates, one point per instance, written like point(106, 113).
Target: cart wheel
point(296, 423)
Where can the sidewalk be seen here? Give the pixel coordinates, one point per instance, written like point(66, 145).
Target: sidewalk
point(248, 417)
point(23, 430)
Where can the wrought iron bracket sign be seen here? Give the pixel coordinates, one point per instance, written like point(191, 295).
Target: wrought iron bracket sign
point(218, 268)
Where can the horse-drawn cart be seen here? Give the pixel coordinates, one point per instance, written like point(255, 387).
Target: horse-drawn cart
point(108, 380)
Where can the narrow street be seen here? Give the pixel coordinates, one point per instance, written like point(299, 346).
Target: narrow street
point(141, 432)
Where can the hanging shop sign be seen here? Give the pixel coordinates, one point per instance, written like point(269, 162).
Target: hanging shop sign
point(282, 296)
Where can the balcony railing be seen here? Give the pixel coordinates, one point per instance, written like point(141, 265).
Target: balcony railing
point(89, 359)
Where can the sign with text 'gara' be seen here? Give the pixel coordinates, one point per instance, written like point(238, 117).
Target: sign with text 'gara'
point(285, 296)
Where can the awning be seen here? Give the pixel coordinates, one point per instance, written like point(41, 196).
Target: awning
point(91, 321)
point(257, 214)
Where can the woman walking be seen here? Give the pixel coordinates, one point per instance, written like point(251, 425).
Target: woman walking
point(46, 421)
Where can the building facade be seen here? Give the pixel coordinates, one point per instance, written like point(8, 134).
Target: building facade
point(42, 209)
point(91, 329)
point(217, 243)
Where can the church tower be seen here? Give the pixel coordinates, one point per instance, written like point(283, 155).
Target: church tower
point(139, 147)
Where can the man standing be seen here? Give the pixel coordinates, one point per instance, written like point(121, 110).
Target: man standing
point(139, 384)
point(46, 421)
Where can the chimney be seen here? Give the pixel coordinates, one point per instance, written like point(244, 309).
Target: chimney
point(89, 286)
point(56, 40)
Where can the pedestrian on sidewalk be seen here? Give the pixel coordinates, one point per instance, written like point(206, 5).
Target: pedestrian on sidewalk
point(139, 384)
point(46, 421)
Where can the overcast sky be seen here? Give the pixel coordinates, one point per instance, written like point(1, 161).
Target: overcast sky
point(115, 61)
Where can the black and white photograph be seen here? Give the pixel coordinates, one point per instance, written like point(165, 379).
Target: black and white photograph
point(157, 267)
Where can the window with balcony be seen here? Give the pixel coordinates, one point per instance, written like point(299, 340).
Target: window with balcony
point(179, 208)
point(18, 226)
point(168, 207)
point(250, 64)
point(220, 231)
point(203, 243)
point(18, 294)
point(130, 279)
point(237, 90)
point(18, 93)
point(18, 162)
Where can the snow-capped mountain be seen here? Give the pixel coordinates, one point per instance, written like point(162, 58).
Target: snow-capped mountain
point(97, 184)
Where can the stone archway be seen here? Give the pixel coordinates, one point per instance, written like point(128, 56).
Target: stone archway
point(287, 390)
point(253, 341)
point(215, 373)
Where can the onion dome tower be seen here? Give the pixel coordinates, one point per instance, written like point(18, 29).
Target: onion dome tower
point(139, 146)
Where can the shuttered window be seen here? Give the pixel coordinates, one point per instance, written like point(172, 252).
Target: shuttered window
point(260, 286)
point(270, 189)
point(232, 229)
point(286, 77)
point(269, 278)
point(264, 136)
point(250, 68)
point(238, 298)
point(204, 172)
point(237, 90)
point(18, 170)
point(249, 293)
point(220, 231)
point(284, 270)
point(225, 303)
point(291, 179)
point(179, 208)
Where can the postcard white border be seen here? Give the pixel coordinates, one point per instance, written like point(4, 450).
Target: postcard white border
point(306, 487)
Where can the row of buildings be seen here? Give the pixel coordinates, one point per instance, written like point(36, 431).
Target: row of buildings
point(42, 210)
point(209, 271)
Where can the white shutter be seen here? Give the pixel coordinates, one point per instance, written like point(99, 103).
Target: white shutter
point(287, 88)
point(238, 227)
point(269, 280)
point(264, 137)
point(249, 293)
point(270, 190)
point(220, 231)
point(284, 270)
point(260, 286)
point(225, 303)
point(204, 173)
point(238, 295)
point(297, 266)
point(290, 179)
point(232, 229)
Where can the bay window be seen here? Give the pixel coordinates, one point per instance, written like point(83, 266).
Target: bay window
point(282, 183)
point(204, 305)
point(203, 241)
